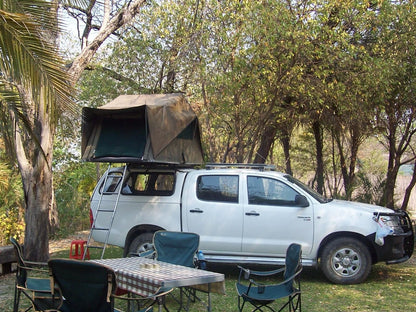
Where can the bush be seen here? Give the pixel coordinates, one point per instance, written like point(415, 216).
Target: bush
point(11, 224)
point(73, 189)
point(11, 203)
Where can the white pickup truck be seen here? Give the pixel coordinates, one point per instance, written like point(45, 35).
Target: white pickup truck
point(249, 216)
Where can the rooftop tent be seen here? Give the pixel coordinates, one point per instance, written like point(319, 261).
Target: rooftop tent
point(159, 128)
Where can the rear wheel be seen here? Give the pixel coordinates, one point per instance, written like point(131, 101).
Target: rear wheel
point(346, 261)
point(141, 243)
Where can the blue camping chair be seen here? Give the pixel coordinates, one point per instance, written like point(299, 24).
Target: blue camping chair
point(261, 295)
point(173, 247)
point(36, 289)
point(176, 248)
point(85, 286)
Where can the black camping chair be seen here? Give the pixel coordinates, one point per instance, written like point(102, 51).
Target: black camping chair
point(261, 295)
point(85, 286)
point(28, 283)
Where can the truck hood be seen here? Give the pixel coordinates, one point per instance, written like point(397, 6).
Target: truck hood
point(336, 203)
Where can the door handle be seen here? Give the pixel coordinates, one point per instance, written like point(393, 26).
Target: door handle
point(197, 210)
point(252, 213)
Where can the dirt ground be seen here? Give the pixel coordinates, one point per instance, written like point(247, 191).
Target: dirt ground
point(58, 245)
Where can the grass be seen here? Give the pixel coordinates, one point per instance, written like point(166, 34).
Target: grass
point(388, 289)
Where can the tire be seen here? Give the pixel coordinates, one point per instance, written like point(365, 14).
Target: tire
point(141, 243)
point(346, 261)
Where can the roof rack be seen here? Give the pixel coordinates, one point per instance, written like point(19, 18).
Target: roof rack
point(160, 165)
point(261, 167)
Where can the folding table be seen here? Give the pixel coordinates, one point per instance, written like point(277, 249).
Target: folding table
point(145, 277)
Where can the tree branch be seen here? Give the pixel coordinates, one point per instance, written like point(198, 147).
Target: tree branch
point(122, 18)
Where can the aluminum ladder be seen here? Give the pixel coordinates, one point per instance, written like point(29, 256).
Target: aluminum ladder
point(100, 210)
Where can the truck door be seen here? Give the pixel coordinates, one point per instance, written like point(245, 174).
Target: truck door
point(273, 219)
point(213, 209)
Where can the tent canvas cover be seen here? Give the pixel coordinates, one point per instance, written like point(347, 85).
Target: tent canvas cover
point(147, 128)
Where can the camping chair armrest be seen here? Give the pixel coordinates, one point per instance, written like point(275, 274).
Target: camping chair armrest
point(290, 277)
point(34, 269)
point(253, 282)
point(33, 263)
point(41, 267)
point(267, 273)
point(248, 272)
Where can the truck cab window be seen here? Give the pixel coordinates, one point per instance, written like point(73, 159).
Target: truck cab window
point(266, 191)
point(219, 188)
point(145, 184)
point(113, 179)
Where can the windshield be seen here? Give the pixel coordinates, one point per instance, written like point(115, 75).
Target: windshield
point(308, 190)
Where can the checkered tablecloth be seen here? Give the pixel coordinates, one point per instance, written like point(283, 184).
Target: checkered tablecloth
point(145, 277)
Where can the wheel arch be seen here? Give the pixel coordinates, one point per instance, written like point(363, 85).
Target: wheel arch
point(136, 231)
point(345, 234)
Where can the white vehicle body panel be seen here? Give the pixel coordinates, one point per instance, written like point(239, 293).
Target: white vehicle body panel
point(240, 230)
point(218, 224)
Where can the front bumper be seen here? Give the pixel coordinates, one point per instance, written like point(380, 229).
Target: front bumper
point(398, 247)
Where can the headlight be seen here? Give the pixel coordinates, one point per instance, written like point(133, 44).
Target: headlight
point(393, 222)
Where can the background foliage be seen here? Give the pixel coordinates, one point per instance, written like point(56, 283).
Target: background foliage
point(322, 89)
point(306, 85)
point(11, 211)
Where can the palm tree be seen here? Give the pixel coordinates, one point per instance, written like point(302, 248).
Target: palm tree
point(34, 91)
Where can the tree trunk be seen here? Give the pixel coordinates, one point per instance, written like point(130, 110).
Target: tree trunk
point(36, 172)
point(387, 199)
point(285, 140)
point(356, 140)
point(388, 194)
point(38, 199)
point(397, 148)
point(343, 163)
point(35, 164)
point(409, 189)
point(266, 142)
point(319, 144)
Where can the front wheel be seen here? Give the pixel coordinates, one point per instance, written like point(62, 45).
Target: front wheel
point(346, 261)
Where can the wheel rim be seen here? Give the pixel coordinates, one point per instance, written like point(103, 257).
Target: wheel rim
point(144, 247)
point(346, 262)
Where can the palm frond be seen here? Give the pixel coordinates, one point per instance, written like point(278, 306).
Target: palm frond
point(28, 58)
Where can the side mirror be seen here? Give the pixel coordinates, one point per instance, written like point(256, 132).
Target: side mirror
point(301, 201)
